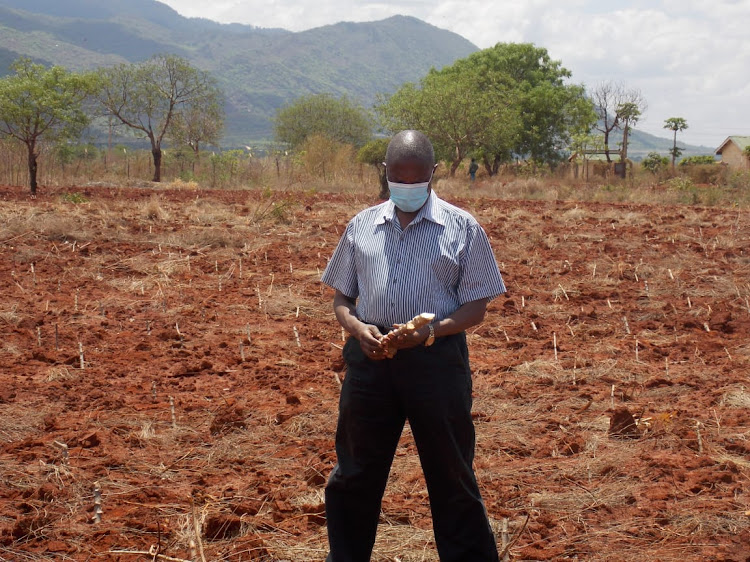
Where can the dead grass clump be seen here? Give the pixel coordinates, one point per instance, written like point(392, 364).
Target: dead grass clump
point(178, 183)
point(739, 398)
point(153, 210)
point(526, 188)
point(65, 228)
point(10, 315)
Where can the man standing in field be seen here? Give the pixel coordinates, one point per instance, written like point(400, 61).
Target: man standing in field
point(412, 254)
point(473, 167)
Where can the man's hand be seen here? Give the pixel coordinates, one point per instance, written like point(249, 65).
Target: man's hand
point(369, 340)
point(413, 339)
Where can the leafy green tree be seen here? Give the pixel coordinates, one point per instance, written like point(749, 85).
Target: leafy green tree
point(148, 97)
point(508, 100)
point(445, 108)
point(373, 153)
point(655, 162)
point(338, 119)
point(42, 104)
point(613, 103)
point(675, 124)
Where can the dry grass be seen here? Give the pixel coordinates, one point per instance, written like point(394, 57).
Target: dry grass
point(542, 424)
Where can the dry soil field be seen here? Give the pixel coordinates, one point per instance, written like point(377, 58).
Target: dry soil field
point(170, 366)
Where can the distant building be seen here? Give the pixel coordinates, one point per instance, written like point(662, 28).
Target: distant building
point(732, 152)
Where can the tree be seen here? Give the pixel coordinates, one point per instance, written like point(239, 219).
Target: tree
point(629, 113)
point(508, 100)
point(675, 124)
point(610, 99)
point(150, 96)
point(338, 119)
point(373, 153)
point(446, 108)
point(42, 104)
point(198, 124)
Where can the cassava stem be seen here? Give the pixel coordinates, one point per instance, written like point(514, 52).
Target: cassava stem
point(404, 329)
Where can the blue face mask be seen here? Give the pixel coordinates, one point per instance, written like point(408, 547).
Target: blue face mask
point(409, 197)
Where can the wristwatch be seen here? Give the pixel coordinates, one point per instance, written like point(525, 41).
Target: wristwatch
point(431, 338)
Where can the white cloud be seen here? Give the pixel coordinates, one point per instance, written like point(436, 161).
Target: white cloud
point(689, 58)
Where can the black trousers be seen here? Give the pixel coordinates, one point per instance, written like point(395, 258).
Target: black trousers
point(431, 387)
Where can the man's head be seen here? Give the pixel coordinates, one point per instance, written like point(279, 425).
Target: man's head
point(409, 158)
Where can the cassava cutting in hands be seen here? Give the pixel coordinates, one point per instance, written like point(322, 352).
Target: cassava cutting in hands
point(403, 330)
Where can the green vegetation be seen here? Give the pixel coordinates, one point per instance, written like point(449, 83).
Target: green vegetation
point(509, 100)
point(39, 104)
point(74, 198)
point(697, 160)
point(675, 124)
point(338, 119)
point(655, 162)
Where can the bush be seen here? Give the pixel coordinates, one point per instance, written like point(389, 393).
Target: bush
point(698, 160)
point(655, 163)
point(704, 173)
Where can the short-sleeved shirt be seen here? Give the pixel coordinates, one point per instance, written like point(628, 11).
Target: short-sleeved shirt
point(439, 262)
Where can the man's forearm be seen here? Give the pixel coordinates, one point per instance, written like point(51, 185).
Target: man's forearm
point(346, 313)
point(466, 316)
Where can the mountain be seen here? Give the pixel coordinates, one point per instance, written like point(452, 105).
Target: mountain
point(258, 69)
point(640, 144)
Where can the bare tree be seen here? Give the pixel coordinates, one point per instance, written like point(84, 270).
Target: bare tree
point(148, 96)
point(616, 106)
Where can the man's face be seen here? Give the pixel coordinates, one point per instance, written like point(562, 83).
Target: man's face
point(409, 171)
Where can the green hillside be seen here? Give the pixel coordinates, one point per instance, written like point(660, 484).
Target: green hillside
point(258, 69)
point(641, 144)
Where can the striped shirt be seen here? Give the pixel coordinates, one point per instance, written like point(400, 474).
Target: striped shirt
point(439, 262)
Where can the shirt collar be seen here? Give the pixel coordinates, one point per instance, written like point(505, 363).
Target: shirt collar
point(431, 211)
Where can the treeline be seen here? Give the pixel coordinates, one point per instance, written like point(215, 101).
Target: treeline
point(505, 104)
point(161, 98)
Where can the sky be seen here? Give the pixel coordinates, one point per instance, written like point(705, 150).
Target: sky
point(688, 58)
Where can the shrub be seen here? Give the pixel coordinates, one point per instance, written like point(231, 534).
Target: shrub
point(655, 163)
point(697, 160)
point(75, 198)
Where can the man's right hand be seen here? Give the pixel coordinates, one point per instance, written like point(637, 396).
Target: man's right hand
point(369, 340)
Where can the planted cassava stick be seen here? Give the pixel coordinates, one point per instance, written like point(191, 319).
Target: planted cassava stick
point(97, 503)
point(171, 409)
point(404, 329)
point(554, 343)
point(38, 336)
point(296, 336)
point(80, 354)
point(64, 448)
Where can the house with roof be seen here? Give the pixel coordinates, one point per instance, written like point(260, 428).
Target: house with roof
point(732, 152)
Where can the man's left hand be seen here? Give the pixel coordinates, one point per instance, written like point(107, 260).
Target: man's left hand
point(406, 341)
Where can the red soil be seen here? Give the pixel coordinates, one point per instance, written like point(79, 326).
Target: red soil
point(194, 298)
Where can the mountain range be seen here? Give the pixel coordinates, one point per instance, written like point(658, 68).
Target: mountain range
point(259, 69)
